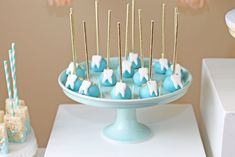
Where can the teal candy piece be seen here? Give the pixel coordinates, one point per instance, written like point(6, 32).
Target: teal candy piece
point(106, 83)
point(103, 65)
point(169, 85)
point(93, 91)
point(4, 146)
point(127, 94)
point(137, 80)
point(144, 92)
point(77, 85)
point(138, 65)
point(157, 68)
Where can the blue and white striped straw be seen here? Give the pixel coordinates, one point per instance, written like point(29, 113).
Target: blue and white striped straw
point(8, 86)
point(13, 73)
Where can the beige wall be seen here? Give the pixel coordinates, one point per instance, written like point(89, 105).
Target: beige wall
point(43, 46)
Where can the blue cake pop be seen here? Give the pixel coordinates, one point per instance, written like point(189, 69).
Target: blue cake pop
point(178, 70)
point(172, 83)
point(161, 66)
point(127, 69)
point(89, 89)
point(121, 90)
point(80, 72)
point(73, 82)
point(135, 60)
point(141, 76)
point(98, 63)
point(108, 78)
point(149, 90)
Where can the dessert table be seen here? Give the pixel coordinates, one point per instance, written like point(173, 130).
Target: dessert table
point(77, 132)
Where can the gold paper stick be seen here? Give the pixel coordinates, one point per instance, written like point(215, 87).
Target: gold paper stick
point(97, 27)
point(163, 30)
point(127, 26)
point(141, 40)
point(151, 50)
point(72, 39)
point(86, 50)
point(133, 26)
point(175, 38)
point(108, 37)
point(119, 49)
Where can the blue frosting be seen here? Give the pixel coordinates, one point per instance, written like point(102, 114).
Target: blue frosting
point(137, 80)
point(103, 65)
point(169, 85)
point(81, 72)
point(138, 65)
point(77, 85)
point(127, 94)
point(106, 82)
point(144, 92)
point(93, 91)
point(157, 68)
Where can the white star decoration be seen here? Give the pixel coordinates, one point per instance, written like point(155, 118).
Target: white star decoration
point(163, 63)
point(133, 57)
point(84, 87)
point(152, 85)
point(177, 69)
point(176, 79)
point(95, 60)
point(107, 75)
point(120, 88)
point(71, 81)
point(126, 66)
point(69, 70)
point(143, 73)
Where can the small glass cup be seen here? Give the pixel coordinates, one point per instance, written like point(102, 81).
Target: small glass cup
point(15, 128)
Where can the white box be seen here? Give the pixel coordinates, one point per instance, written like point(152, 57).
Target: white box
point(77, 133)
point(218, 107)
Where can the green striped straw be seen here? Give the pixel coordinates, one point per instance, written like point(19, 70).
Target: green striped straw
point(8, 86)
point(13, 73)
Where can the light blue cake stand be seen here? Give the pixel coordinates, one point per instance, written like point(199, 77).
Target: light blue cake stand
point(126, 128)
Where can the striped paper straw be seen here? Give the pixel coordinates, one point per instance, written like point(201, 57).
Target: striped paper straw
point(8, 86)
point(13, 73)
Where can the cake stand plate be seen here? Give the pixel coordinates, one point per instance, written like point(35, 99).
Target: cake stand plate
point(27, 149)
point(126, 127)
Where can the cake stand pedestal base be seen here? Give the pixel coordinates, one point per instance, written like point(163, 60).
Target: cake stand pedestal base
point(126, 128)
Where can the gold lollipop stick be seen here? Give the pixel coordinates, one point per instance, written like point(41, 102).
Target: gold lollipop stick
point(140, 36)
point(97, 27)
point(133, 26)
point(72, 39)
point(86, 50)
point(127, 26)
point(175, 38)
point(163, 30)
point(151, 50)
point(119, 49)
point(108, 37)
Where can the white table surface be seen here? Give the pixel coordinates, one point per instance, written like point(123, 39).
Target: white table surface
point(77, 132)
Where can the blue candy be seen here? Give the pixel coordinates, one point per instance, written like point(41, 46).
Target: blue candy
point(103, 65)
point(144, 92)
point(169, 85)
point(93, 91)
point(77, 85)
point(127, 94)
point(157, 68)
point(106, 82)
point(137, 80)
